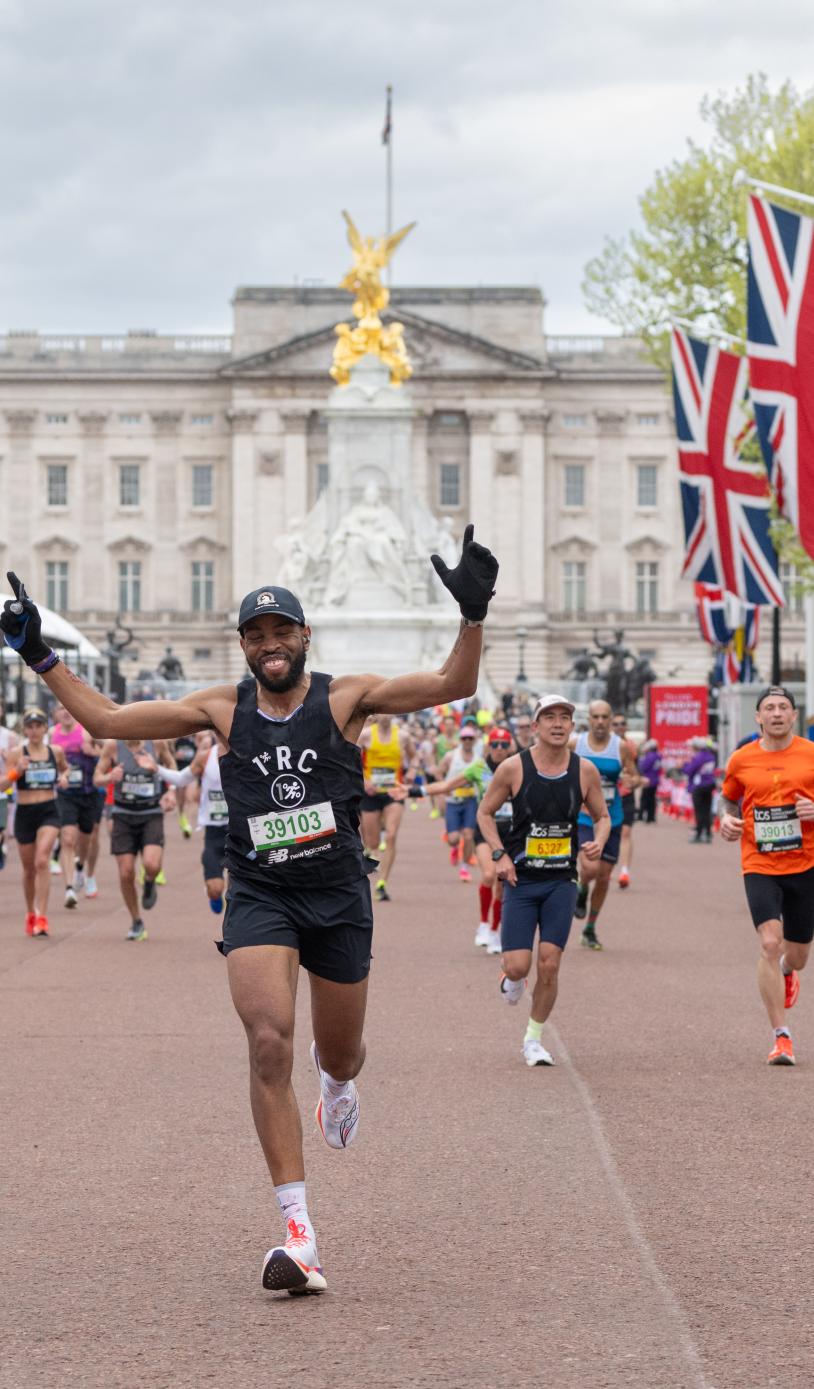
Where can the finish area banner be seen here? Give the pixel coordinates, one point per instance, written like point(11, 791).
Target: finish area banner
point(677, 713)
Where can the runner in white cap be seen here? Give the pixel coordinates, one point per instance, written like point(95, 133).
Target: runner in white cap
point(537, 859)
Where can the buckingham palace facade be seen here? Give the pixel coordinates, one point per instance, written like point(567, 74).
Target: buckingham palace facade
point(148, 476)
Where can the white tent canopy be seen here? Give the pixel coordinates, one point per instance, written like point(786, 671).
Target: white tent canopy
point(61, 633)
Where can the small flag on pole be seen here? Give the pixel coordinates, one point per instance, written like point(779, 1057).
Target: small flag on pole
point(388, 118)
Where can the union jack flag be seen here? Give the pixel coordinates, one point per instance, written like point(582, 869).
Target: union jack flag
point(725, 501)
point(732, 628)
point(713, 618)
point(780, 348)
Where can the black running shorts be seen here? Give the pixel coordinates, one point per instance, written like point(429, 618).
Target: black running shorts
point(628, 808)
point(131, 833)
point(213, 857)
point(377, 803)
point(331, 927)
point(78, 808)
point(786, 897)
point(30, 818)
point(528, 907)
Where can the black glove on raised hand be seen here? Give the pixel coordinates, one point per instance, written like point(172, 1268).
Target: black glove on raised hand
point(472, 581)
point(21, 625)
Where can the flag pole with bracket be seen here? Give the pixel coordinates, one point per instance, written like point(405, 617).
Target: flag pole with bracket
point(387, 141)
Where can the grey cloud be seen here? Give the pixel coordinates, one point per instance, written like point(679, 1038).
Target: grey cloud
point(154, 157)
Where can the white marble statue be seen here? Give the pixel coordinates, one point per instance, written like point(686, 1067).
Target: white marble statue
point(434, 537)
point(370, 537)
point(302, 545)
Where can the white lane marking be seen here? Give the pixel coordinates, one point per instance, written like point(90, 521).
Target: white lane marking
point(673, 1308)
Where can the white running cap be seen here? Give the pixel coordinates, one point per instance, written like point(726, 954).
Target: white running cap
point(552, 701)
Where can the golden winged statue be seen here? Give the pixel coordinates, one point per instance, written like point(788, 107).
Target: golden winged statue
point(364, 282)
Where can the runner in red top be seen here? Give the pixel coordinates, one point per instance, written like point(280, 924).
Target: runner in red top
point(768, 804)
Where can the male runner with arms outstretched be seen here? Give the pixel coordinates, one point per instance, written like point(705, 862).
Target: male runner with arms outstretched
point(298, 892)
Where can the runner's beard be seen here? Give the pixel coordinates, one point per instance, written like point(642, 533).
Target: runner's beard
point(281, 683)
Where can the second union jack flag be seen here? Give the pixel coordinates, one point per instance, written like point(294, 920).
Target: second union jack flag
point(781, 355)
point(725, 499)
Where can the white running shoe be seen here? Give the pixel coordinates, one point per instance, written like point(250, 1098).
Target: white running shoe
point(54, 868)
point(483, 935)
point(494, 947)
point(71, 899)
point(292, 1267)
point(91, 890)
point(78, 879)
point(535, 1054)
point(512, 989)
point(337, 1119)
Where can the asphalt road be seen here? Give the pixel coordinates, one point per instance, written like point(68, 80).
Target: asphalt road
point(639, 1215)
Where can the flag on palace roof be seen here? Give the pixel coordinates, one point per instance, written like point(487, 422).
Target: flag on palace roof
point(780, 349)
point(725, 499)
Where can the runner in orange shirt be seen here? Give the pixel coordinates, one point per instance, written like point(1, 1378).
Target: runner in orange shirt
point(767, 803)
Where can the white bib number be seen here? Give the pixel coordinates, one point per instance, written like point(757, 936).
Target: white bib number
point(75, 776)
point(218, 809)
point(548, 846)
point(40, 777)
point(777, 829)
point(608, 790)
point(278, 831)
point(383, 777)
point(142, 789)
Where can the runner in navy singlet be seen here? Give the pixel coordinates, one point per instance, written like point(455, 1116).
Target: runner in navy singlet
point(291, 772)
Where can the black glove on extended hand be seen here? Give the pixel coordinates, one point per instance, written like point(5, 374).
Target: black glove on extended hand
point(472, 581)
point(23, 629)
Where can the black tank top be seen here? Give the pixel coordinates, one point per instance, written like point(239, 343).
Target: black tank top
point(293, 788)
point(40, 775)
point(543, 841)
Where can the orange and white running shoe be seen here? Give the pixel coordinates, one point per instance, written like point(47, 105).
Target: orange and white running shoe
point(624, 878)
point(792, 982)
point(337, 1118)
point(512, 989)
point(782, 1053)
point(292, 1267)
point(40, 926)
point(30, 923)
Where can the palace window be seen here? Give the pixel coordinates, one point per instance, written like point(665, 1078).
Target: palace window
point(57, 484)
point(575, 421)
point(574, 484)
point(56, 584)
point(448, 453)
point(647, 586)
point(203, 585)
point(129, 485)
point(647, 485)
point(574, 572)
point(789, 578)
point(647, 419)
point(56, 417)
point(202, 488)
point(130, 586)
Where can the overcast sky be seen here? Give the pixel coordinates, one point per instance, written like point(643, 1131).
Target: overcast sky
point(156, 155)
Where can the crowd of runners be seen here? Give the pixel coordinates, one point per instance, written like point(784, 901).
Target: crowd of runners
point(300, 783)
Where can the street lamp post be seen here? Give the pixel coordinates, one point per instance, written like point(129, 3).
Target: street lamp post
point(521, 633)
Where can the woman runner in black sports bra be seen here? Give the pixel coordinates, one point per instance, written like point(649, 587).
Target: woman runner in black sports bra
point(36, 771)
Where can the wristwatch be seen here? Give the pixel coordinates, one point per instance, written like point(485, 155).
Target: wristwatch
point(497, 854)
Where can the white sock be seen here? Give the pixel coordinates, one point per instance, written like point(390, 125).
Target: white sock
point(782, 1032)
point(623, 868)
point(291, 1200)
point(332, 1089)
point(784, 968)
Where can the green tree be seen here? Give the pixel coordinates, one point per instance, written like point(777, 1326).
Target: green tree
point(688, 259)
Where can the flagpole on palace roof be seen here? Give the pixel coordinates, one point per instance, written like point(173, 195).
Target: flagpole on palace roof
point(387, 141)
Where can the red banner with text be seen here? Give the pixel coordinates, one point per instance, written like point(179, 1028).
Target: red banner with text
point(676, 714)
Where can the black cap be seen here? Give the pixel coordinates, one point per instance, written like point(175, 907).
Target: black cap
point(276, 602)
point(776, 690)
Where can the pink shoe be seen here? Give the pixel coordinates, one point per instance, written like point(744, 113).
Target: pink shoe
point(464, 874)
